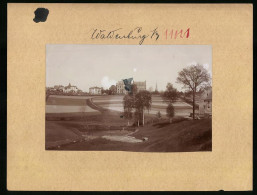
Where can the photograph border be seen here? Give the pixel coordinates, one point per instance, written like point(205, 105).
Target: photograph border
point(124, 47)
point(3, 94)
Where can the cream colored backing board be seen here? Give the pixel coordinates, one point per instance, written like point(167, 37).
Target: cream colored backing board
point(227, 27)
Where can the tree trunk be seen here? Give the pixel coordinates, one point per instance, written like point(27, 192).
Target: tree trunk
point(170, 120)
point(128, 122)
point(193, 104)
point(138, 123)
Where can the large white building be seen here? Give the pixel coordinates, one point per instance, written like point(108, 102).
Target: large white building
point(141, 86)
point(95, 90)
point(70, 88)
point(120, 88)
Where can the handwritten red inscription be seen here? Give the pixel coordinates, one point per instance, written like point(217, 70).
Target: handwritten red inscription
point(174, 34)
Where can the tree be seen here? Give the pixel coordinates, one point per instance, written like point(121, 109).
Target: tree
point(193, 78)
point(137, 116)
point(105, 91)
point(112, 90)
point(158, 114)
point(170, 112)
point(128, 105)
point(143, 100)
point(133, 89)
point(171, 94)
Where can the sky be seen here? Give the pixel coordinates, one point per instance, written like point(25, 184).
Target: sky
point(87, 66)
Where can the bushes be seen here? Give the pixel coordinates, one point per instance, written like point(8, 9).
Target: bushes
point(164, 122)
point(178, 119)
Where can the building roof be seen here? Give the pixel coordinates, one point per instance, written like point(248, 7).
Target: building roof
point(71, 86)
point(134, 82)
point(140, 82)
point(95, 88)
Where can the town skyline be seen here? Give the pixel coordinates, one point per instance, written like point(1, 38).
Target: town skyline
point(105, 65)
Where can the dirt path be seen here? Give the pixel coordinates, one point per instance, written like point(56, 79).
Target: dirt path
point(104, 111)
point(93, 106)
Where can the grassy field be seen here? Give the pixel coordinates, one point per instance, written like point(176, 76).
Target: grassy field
point(68, 131)
point(114, 102)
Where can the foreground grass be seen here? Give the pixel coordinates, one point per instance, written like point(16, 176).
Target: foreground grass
point(184, 136)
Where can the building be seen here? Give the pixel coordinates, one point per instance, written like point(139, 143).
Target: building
point(120, 87)
point(95, 90)
point(205, 103)
point(70, 89)
point(141, 86)
point(59, 89)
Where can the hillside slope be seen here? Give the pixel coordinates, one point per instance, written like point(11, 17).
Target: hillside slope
point(184, 136)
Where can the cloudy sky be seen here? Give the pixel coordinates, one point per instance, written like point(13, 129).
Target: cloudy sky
point(103, 65)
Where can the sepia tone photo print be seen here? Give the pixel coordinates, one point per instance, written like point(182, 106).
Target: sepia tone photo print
point(140, 98)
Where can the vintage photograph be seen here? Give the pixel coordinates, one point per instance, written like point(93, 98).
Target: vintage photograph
point(138, 98)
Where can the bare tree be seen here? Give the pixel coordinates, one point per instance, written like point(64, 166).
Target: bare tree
point(193, 78)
